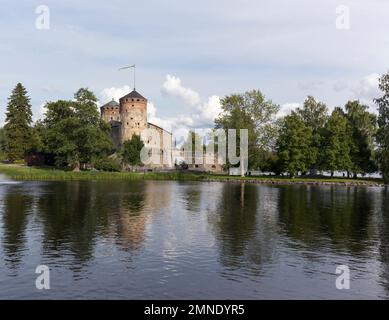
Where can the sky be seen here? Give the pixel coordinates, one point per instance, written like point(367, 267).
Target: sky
point(189, 54)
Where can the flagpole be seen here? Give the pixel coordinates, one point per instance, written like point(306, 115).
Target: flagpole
point(129, 67)
point(134, 76)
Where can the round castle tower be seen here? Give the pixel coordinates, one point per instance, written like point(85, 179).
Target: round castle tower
point(133, 114)
point(110, 111)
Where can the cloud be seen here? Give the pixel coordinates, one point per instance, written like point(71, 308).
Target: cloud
point(108, 94)
point(287, 108)
point(151, 110)
point(209, 111)
point(367, 88)
point(40, 113)
point(172, 86)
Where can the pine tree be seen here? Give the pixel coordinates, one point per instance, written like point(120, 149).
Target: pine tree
point(17, 128)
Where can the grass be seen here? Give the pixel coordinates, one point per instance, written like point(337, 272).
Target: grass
point(19, 172)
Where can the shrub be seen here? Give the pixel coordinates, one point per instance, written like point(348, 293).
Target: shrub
point(106, 164)
point(19, 161)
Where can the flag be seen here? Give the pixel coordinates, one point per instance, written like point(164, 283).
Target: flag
point(129, 67)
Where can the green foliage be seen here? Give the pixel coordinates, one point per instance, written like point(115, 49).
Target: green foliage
point(294, 145)
point(17, 128)
point(314, 114)
point(74, 132)
point(2, 140)
point(253, 112)
point(130, 151)
point(338, 145)
point(107, 164)
point(364, 128)
point(383, 124)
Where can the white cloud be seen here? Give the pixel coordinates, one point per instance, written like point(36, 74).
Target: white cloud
point(151, 110)
point(172, 86)
point(209, 110)
point(108, 94)
point(367, 88)
point(287, 108)
point(40, 113)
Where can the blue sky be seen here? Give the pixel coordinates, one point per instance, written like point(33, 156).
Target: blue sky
point(287, 49)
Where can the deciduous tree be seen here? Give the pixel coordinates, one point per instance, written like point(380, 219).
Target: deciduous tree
point(383, 124)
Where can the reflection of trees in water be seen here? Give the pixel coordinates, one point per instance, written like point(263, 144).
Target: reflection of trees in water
point(71, 213)
point(384, 239)
point(243, 225)
point(75, 214)
point(315, 214)
point(190, 193)
point(14, 218)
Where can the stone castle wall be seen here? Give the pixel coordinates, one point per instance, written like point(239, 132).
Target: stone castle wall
point(133, 114)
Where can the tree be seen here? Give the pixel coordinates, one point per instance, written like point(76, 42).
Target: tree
point(314, 114)
point(130, 151)
point(253, 112)
point(74, 132)
point(193, 147)
point(17, 128)
point(364, 128)
point(294, 145)
point(338, 144)
point(383, 124)
point(2, 140)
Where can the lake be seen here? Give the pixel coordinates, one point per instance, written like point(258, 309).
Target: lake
point(192, 240)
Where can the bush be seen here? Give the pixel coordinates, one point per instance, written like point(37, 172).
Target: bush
point(107, 164)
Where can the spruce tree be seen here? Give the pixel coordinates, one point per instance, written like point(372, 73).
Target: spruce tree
point(17, 128)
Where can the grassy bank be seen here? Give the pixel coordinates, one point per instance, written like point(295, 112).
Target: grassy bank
point(18, 172)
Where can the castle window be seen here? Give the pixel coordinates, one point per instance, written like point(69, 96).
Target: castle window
point(132, 99)
point(127, 123)
point(111, 118)
point(137, 100)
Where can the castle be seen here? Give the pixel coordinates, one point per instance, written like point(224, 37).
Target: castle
point(129, 117)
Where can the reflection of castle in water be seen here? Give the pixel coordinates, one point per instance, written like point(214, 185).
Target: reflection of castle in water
point(135, 209)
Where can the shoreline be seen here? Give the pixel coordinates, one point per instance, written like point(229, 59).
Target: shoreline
point(23, 173)
point(302, 181)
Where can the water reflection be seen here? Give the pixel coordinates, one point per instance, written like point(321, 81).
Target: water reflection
point(383, 221)
point(313, 215)
point(189, 239)
point(15, 208)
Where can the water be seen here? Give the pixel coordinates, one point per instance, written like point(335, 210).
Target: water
point(174, 240)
